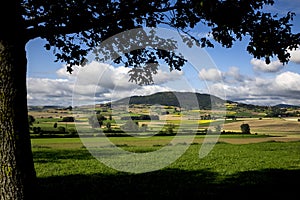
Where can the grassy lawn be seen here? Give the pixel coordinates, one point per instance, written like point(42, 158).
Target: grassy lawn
point(66, 170)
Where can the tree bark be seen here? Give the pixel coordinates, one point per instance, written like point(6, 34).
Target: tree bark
point(17, 174)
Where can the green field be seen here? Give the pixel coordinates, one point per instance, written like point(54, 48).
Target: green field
point(265, 163)
point(66, 170)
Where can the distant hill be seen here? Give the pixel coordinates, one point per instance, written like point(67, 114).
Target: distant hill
point(42, 108)
point(286, 106)
point(186, 100)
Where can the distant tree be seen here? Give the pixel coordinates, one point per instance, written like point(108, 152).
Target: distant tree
point(55, 125)
point(130, 126)
point(233, 117)
point(61, 129)
point(98, 112)
point(69, 108)
point(276, 112)
point(144, 127)
point(245, 128)
point(169, 128)
point(73, 132)
point(95, 122)
point(73, 28)
point(37, 130)
point(108, 125)
point(68, 119)
point(101, 117)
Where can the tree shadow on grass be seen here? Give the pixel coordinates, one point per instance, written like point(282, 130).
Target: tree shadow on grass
point(173, 184)
point(55, 156)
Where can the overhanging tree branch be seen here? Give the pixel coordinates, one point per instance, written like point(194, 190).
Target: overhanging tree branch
point(94, 21)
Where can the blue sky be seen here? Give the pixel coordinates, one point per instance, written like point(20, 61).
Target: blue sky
point(228, 73)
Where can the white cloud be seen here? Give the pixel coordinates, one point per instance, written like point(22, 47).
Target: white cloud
point(95, 81)
point(233, 75)
point(210, 74)
point(260, 65)
point(295, 56)
point(163, 76)
point(282, 88)
point(52, 87)
point(44, 91)
point(102, 82)
point(288, 81)
point(140, 90)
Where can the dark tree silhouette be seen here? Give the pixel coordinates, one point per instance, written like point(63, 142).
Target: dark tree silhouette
point(245, 128)
point(73, 28)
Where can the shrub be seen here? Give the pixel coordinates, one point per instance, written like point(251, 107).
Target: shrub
point(170, 128)
point(73, 132)
point(130, 126)
point(144, 127)
point(68, 119)
point(37, 130)
point(245, 128)
point(61, 129)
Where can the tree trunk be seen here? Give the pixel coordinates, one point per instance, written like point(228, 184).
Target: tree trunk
point(17, 174)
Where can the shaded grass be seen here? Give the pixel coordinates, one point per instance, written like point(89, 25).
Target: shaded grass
point(172, 184)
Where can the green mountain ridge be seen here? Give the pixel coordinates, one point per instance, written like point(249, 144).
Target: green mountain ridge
point(188, 100)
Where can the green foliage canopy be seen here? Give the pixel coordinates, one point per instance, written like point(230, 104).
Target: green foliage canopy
point(74, 28)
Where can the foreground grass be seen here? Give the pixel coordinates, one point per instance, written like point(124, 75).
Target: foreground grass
point(66, 170)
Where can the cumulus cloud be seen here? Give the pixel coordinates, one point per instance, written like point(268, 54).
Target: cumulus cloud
point(233, 75)
point(94, 82)
point(282, 88)
point(164, 76)
point(211, 74)
point(288, 81)
point(260, 65)
point(98, 82)
point(43, 91)
point(140, 90)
